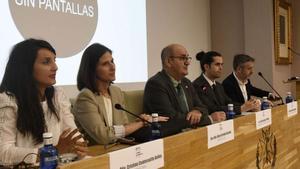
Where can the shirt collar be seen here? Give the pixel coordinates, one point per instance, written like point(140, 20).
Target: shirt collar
point(210, 82)
point(174, 82)
point(240, 82)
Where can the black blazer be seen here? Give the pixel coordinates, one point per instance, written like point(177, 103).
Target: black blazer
point(215, 101)
point(160, 97)
point(233, 90)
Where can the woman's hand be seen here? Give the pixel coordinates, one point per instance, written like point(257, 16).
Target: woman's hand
point(69, 143)
point(163, 118)
point(149, 117)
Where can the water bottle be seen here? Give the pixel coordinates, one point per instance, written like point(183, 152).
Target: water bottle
point(230, 113)
point(289, 98)
point(48, 153)
point(155, 127)
point(265, 104)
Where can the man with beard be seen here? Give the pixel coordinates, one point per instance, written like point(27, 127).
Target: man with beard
point(172, 95)
point(238, 85)
point(212, 92)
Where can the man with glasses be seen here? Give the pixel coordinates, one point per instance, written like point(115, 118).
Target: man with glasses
point(170, 94)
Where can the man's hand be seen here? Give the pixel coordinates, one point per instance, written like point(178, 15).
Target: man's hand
point(273, 97)
point(251, 105)
point(148, 117)
point(218, 116)
point(194, 117)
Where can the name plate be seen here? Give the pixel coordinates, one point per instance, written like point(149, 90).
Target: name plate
point(147, 155)
point(263, 118)
point(220, 133)
point(292, 108)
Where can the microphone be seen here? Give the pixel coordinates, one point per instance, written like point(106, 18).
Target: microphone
point(260, 74)
point(295, 52)
point(119, 107)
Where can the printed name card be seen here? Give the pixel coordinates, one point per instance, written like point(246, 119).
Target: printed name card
point(148, 155)
point(292, 108)
point(263, 118)
point(220, 133)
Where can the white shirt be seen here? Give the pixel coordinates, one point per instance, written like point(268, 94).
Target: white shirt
point(13, 145)
point(210, 82)
point(108, 108)
point(242, 87)
point(119, 129)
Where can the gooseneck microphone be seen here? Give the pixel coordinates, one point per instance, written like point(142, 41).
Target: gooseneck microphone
point(261, 75)
point(119, 107)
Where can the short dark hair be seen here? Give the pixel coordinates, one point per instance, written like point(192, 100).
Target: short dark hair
point(18, 81)
point(86, 77)
point(206, 58)
point(240, 59)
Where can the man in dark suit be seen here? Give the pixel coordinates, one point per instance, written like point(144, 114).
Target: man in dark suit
point(170, 94)
point(212, 92)
point(237, 85)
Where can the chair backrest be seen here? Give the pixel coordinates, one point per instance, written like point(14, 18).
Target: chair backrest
point(134, 102)
point(72, 101)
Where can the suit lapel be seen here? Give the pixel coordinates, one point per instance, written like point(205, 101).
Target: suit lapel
point(209, 91)
point(113, 102)
point(172, 88)
point(102, 109)
point(248, 89)
point(115, 97)
point(238, 89)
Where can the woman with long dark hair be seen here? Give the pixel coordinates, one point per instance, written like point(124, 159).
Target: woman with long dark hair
point(94, 107)
point(30, 105)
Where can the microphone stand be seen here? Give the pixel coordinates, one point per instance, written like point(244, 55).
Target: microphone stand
point(260, 74)
point(119, 107)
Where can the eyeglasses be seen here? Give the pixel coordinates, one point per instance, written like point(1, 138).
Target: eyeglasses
point(183, 58)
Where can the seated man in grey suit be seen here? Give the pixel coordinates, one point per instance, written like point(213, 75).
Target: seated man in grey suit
point(170, 94)
point(211, 92)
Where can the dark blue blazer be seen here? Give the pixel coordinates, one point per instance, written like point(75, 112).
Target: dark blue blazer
point(232, 89)
point(214, 100)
